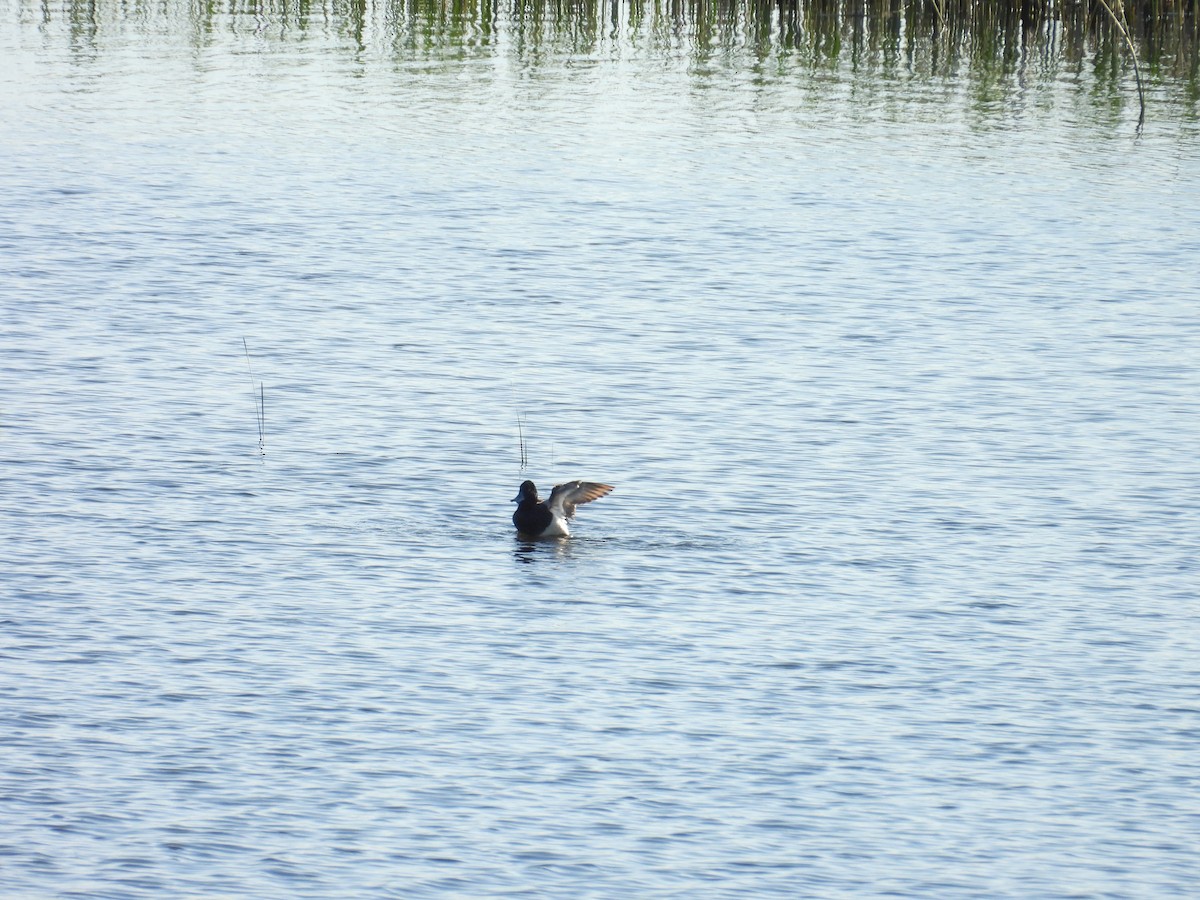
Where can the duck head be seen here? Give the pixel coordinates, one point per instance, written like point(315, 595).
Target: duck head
point(528, 491)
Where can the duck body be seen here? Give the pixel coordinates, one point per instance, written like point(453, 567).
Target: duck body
point(549, 518)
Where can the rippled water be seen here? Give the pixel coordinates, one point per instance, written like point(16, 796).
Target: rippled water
point(897, 384)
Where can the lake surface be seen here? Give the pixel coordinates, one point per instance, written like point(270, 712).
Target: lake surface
point(895, 375)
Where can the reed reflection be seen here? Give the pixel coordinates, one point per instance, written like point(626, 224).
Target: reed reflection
point(990, 43)
point(937, 37)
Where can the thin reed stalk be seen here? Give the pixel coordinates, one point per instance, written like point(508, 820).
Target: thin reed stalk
point(521, 439)
point(1116, 11)
point(260, 403)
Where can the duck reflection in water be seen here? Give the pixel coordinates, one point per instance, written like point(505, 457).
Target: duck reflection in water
point(530, 550)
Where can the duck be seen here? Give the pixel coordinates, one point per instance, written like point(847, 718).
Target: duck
point(548, 518)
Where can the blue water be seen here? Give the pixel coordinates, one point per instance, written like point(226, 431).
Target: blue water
point(896, 593)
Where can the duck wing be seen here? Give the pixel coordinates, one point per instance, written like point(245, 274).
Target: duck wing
point(565, 497)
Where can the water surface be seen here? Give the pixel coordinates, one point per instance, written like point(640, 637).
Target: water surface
point(895, 374)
